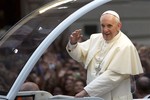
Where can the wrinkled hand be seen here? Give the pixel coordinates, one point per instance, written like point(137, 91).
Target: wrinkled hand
point(83, 93)
point(75, 36)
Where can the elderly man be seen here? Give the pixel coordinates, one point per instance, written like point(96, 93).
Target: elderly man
point(109, 57)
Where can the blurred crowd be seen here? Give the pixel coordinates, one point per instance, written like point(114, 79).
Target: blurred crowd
point(57, 73)
point(141, 83)
point(61, 75)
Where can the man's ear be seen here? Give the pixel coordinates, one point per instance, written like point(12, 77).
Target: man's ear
point(120, 25)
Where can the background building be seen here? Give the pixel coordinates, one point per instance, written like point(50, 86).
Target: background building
point(134, 15)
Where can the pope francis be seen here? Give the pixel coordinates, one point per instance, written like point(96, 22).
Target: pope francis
point(109, 57)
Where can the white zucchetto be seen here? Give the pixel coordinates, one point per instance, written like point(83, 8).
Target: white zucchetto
point(112, 13)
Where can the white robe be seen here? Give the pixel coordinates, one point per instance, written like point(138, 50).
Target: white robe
point(109, 75)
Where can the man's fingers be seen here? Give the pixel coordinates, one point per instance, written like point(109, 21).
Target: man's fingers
point(75, 36)
point(77, 33)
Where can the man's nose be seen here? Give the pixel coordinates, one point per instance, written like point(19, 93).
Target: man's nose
point(105, 29)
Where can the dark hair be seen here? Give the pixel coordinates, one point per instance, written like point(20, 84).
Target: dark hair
point(143, 84)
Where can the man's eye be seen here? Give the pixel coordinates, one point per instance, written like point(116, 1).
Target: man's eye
point(109, 26)
point(102, 25)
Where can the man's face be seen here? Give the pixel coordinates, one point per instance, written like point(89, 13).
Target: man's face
point(109, 26)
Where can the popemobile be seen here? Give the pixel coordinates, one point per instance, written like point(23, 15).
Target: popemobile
point(23, 44)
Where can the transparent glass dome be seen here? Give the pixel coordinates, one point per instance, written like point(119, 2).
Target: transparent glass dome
point(22, 46)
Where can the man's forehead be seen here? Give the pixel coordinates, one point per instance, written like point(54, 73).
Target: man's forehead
point(107, 18)
point(112, 13)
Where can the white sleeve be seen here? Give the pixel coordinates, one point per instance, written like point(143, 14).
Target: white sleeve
point(70, 47)
point(78, 51)
point(104, 83)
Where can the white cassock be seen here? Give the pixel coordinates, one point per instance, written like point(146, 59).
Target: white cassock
point(109, 65)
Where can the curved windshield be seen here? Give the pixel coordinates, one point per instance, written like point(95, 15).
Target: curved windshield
point(18, 44)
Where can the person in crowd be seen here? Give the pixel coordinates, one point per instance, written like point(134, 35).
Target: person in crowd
point(109, 57)
point(79, 85)
point(29, 86)
point(144, 52)
point(143, 87)
point(57, 90)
